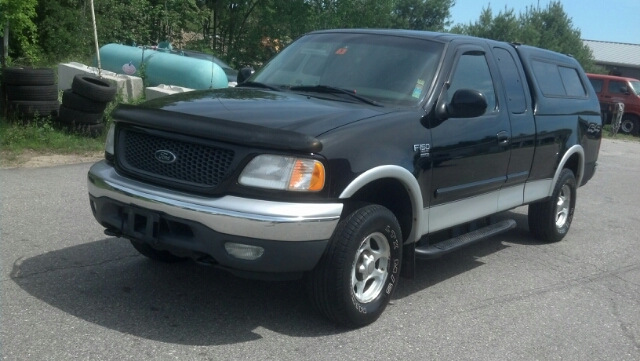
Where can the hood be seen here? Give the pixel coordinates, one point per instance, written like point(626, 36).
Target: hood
point(272, 109)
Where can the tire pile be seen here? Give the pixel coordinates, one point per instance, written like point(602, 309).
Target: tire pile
point(31, 92)
point(83, 105)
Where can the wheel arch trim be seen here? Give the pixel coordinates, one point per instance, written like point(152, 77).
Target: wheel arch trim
point(575, 149)
point(405, 178)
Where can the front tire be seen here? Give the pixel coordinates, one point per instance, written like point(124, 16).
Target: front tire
point(550, 220)
point(359, 271)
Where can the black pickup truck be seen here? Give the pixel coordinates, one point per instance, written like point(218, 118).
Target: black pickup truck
point(348, 156)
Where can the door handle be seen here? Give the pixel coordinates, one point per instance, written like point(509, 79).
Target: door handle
point(503, 137)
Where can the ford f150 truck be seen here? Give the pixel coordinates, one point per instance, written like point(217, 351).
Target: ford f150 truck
point(349, 155)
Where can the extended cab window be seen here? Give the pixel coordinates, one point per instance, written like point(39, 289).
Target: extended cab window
point(472, 72)
point(511, 80)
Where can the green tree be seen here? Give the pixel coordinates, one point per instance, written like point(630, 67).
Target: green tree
point(18, 15)
point(123, 22)
point(550, 28)
point(503, 27)
point(239, 31)
point(365, 13)
point(64, 30)
point(171, 19)
point(431, 15)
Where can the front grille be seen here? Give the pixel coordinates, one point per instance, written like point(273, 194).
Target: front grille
point(194, 163)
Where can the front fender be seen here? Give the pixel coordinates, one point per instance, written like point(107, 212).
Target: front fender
point(410, 183)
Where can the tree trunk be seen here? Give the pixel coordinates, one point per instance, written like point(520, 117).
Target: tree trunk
point(5, 45)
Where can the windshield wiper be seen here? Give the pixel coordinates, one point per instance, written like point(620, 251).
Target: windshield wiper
point(255, 84)
point(332, 90)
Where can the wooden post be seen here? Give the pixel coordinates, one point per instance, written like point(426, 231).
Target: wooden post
point(5, 55)
point(95, 38)
point(5, 45)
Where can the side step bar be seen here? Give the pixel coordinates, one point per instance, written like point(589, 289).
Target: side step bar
point(444, 247)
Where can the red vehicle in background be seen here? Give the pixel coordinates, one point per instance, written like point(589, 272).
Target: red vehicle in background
point(615, 89)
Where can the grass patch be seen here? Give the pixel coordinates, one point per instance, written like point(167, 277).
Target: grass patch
point(42, 137)
point(606, 133)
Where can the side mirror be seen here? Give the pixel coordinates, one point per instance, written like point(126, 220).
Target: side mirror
point(467, 103)
point(244, 74)
point(624, 90)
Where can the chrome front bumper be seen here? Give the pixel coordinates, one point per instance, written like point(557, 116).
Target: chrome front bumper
point(266, 220)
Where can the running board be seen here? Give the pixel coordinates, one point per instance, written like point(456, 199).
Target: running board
point(444, 247)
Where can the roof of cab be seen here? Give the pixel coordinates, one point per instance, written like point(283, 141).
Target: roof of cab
point(430, 35)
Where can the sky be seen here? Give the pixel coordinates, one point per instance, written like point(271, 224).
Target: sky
point(604, 20)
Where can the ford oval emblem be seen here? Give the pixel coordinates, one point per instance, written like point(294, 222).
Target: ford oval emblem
point(165, 156)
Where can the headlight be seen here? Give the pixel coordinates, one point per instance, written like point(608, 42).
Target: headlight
point(109, 143)
point(284, 173)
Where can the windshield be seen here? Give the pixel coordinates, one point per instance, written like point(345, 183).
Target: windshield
point(388, 69)
point(636, 86)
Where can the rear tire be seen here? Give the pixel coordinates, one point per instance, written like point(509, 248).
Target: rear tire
point(77, 102)
point(29, 76)
point(629, 125)
point(359, 271)
point(550, 220)
point(72, 116)
point(32, 92)
point(89, 130)
point(28, 109)
point(93, 88)
point(154, 254)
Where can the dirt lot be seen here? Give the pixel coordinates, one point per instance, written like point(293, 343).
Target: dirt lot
point(31, 159)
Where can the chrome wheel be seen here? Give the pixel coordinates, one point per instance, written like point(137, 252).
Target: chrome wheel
point(563, 205)
point(370, 268)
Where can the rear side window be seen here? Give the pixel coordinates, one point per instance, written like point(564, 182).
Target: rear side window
point(597, 84)
point(557, 81)
point(511, 80)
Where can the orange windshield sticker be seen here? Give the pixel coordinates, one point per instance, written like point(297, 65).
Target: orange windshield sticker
point(341, 51)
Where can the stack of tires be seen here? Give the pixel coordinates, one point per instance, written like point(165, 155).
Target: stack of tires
point(83, 105)
point(31, 92)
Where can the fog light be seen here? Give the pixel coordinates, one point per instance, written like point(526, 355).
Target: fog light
point(243, 251)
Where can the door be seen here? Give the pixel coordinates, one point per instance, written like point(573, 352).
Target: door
point(470, 155)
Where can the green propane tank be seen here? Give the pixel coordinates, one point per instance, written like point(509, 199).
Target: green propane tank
point(161, 67)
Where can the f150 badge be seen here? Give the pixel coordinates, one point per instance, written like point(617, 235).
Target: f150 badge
point(422, 148)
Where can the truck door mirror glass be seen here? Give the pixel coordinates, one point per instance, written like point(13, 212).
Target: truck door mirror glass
point(624, 90)
point(244, 74)
point(467, 103)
